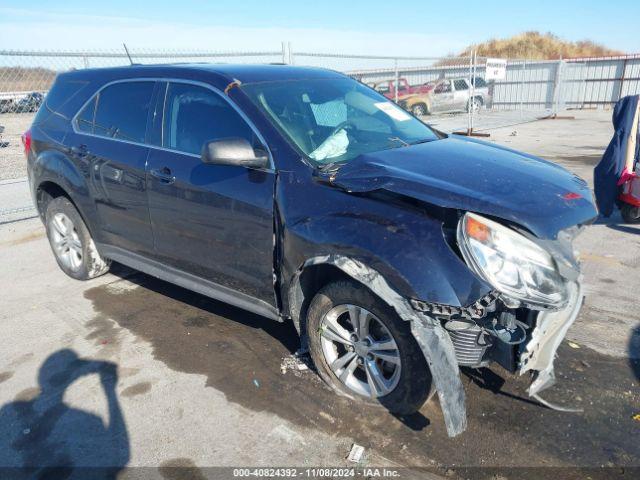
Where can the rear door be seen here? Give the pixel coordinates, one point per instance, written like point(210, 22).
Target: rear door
point(110, 133)
point(212, 221)
point(461, 94)
point(482, 90)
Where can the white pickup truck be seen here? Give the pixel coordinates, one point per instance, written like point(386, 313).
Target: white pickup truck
point(449, 95)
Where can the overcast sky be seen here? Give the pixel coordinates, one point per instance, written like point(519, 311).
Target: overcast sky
point(425, 28)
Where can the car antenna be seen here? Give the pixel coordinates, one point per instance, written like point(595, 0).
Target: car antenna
point(127, 52)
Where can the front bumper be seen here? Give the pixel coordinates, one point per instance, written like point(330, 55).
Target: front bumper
point(536, 356)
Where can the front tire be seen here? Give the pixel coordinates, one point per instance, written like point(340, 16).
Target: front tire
point(419, 110)
point(363, 350)
point(71, 241)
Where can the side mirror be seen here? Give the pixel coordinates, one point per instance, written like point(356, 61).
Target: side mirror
point(233, 151)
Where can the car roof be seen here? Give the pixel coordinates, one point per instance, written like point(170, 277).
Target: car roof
point(245, 73)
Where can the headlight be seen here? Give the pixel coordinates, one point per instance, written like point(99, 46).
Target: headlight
point(510, 262)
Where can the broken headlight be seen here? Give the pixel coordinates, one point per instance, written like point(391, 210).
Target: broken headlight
point(511, 263)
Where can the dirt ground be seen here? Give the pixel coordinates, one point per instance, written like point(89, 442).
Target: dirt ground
point(200, 383)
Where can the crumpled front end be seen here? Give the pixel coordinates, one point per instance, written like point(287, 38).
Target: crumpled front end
point(521, 340)
point(536, 298)
point(496, 328)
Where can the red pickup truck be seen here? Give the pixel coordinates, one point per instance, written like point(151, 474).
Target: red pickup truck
point(388, 88)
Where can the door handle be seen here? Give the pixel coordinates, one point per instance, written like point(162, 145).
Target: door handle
point(163, 174)
point(80, 150)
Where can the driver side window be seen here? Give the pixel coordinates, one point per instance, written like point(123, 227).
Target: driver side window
point(443, 87)
point(195, 115)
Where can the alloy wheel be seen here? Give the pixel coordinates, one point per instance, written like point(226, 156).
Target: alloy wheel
point(66, 242)
point(419, 110)
point(360, 350)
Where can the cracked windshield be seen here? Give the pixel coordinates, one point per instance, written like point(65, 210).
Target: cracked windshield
point(334, 121)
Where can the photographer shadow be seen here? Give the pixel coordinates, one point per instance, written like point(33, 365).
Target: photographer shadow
point(45, 438)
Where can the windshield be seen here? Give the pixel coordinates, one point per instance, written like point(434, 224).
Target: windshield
point(335, 120)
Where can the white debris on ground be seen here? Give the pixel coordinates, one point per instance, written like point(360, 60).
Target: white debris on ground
point(296, 362)
point(356, 453)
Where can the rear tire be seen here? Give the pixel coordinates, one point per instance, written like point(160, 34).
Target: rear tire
point(402, 392)
point(474, 104)
point(630, 214)
point(71, 241)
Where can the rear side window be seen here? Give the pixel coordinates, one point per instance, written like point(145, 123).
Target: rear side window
point(195, 115)
point(121, 111)
point(61, 92)
point(86, 117)
point(479, 82)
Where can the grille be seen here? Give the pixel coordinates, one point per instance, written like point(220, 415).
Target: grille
point(465, 343)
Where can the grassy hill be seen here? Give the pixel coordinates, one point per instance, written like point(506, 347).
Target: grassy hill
point(538, 46)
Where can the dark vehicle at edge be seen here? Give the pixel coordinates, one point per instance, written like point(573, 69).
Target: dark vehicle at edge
point(399, 253)
point(29, 103)
point(7, 105)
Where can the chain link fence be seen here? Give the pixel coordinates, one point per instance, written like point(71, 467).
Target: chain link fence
point(450, 93)
point(26, 76)
point(425, 86)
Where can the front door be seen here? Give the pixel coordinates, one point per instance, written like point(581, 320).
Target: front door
point(442, 99)
point(109, 140)
point(212, 221)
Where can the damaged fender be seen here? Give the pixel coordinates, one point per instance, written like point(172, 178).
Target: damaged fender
point(429, 333)
point(540, 352)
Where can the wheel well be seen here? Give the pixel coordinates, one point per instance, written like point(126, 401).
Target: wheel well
point(46, 192)
point(309, 282)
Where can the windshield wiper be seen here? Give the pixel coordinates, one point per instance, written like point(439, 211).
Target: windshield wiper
point(330, 167)
point(424, 140)
point(397, 139)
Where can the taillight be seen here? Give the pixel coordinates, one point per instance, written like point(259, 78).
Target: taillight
point(26, 142)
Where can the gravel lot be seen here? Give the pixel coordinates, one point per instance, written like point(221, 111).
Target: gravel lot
point(12, 163)
point(200, 383)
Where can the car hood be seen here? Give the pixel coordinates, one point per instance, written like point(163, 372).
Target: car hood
point(471, 175)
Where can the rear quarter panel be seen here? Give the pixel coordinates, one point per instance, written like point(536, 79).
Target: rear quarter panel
point(49, 162)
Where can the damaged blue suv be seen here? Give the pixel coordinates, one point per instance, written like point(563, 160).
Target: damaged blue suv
point(400, 253)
